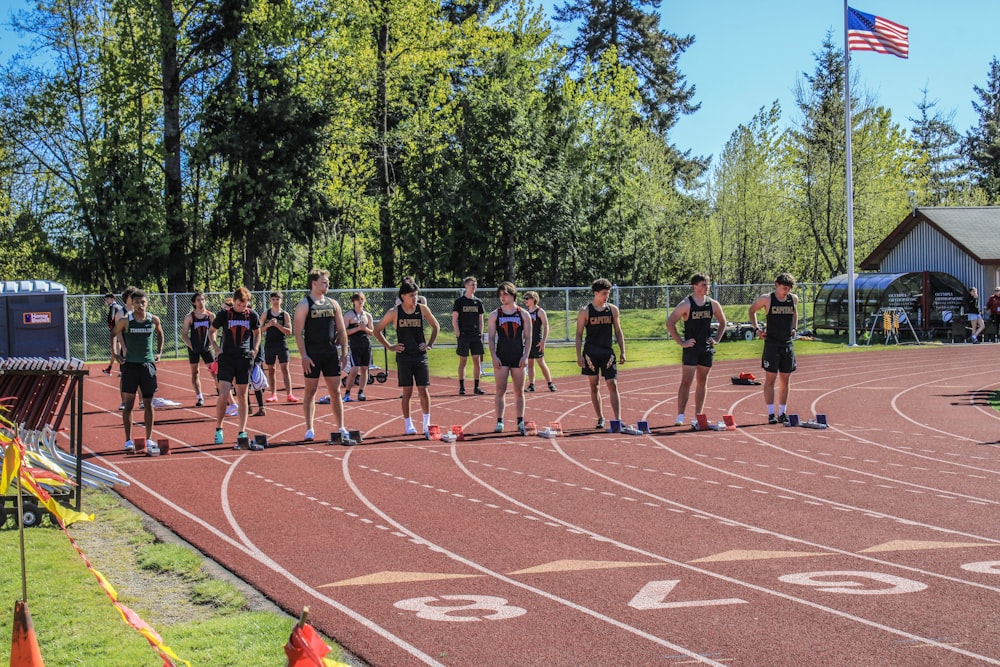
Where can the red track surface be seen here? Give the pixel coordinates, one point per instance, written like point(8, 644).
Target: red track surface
point(875, 542)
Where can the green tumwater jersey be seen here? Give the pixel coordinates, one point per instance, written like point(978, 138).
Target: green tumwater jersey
point(138, 337)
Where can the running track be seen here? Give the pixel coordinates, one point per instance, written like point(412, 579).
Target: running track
point(876, 542)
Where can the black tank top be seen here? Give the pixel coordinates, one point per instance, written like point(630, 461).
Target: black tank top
point(780, 315)
point(320, 330)
point(410, 330)
point(358, 339)
point(698, 324)
point(510, 336)
point(536, 327)
point(600, 330)
point(274, 339)
point(198, 333)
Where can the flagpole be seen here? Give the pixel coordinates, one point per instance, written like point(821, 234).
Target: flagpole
point(852, 315)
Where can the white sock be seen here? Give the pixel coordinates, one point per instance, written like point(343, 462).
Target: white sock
point(427, 420)
point(680, 417)
point(770, 408)
point(409, 423)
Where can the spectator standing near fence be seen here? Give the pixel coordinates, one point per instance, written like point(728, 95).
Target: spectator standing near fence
point(510, 342)
point(467, 322)
point(360, 325)
point(973, 314)
point(194, 333)
point(539, 336)
point(595, 354)
point(696, 311)
point(412, 367)
point(276, 327)
point(320, 332)
point(778, 358)
point(141, 344)
point(240, 329)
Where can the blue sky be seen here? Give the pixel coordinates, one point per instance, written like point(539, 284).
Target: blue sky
point(748, 53)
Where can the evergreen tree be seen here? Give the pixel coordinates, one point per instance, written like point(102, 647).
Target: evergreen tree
point(982, 143)
point(942, 165)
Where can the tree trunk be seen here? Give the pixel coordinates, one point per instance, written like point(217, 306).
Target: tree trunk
point(383, 170)
point(176, 269)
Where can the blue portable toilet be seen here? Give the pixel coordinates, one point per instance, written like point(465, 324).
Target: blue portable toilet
point(33, 319)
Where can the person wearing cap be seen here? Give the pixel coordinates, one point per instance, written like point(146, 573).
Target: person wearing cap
point(412, 366)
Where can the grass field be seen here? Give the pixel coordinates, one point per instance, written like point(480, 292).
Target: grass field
point(204, 619)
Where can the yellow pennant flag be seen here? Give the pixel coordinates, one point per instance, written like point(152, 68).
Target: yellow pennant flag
point(11, 466)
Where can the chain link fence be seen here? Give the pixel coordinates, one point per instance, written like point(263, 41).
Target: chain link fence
point(643, 311)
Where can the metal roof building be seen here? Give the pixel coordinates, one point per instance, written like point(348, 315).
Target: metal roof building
point(961, 240)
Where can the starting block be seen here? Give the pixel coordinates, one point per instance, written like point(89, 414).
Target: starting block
point(260, 439)
point(336, 438)
point(356, 436)
point(616, 426)
point(730, 422)
point(553, 430)
point(530, 428)
point(793, 420)
point(630, 430)
point(458, 432)
point(745, 378)
point(433, 432)
point(702, 424)
point(819, 422)
point(643, 427)
point(254, 445)
point(164, 445)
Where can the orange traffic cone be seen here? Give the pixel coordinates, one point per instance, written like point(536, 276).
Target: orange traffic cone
point(23, 644)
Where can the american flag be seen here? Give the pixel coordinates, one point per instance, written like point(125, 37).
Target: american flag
point(867, 32)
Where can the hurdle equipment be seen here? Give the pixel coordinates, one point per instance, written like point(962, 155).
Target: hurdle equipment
point(643, 427)
point(615, 426)
point(458, 432)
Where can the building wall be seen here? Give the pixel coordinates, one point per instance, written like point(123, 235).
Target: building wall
point(926, 249)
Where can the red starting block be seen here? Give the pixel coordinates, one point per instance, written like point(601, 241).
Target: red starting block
point(164, 444)
point(530, 428)
point(702, 424)
point(458, 432)
point(433, 432)
point(730, 422)
point(140, 445)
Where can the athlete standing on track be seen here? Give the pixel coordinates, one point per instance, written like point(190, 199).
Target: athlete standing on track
point(319, 332)
point(696, 311)
point(412, 366)
point(600, 320)
point(141, 344)
point(194, 333)
point(510, 342)
point(467, 322)
point(360, 324)
point(114, 311)
point(276, 326)
point(973, 315)
point(539, 336)
point(778, 359)
point(240, 329)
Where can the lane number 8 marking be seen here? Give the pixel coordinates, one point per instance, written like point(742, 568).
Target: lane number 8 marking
point(497, 608)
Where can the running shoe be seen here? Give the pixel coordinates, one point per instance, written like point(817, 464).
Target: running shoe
point(347, 398)
point(121, 407)
point(219, 436)
point(200, 402)
point(679, 421)
point(772, 419)
point(129, 447)
point(461, 391)
point(600, 422)
point(522, 428)
point(783, 418)
point(530, 387)
point(410, 430)
point(310, 436)
point(260, 412)
point(478, 392)
point(361, 396)
point(324, 400)
point(273, 398)
point(498, 428)
point(292, 398)
point(233, 410)
point(107, 371)
point(552, 387)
